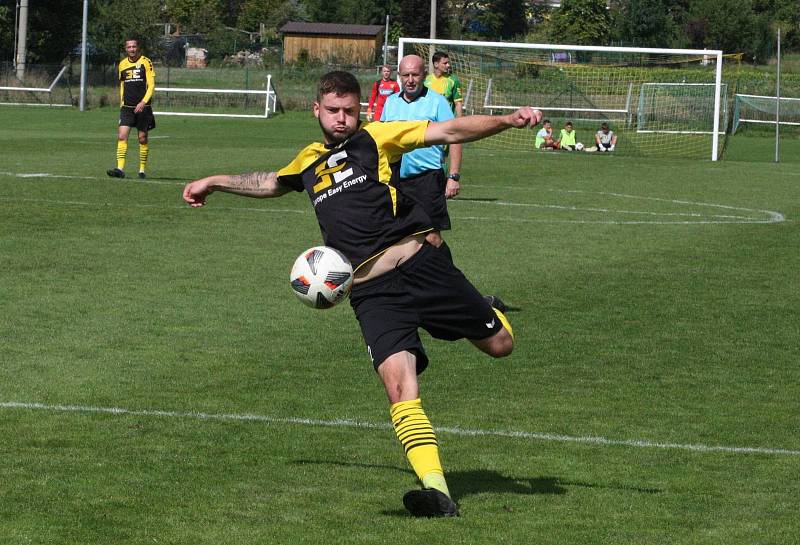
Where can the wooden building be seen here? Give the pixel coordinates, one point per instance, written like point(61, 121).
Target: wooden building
point(332, 43)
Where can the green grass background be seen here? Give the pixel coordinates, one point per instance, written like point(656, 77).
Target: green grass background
point(654, 303)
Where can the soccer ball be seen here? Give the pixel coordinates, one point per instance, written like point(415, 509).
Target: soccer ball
point(579, 147)
point(321, 277)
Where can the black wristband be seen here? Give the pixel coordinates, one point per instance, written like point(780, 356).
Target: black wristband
point(454, 176)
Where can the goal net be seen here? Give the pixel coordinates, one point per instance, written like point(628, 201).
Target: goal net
point(203, 102)
point(42, 86)
point(756, 111)
point(665, 102)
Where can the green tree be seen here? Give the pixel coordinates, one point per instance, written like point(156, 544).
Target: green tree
point(646, 23)
point(6, 33)
point(272, 13)
point(195, 16)
point(110, 24)
point(729, 25)
point(581, 22)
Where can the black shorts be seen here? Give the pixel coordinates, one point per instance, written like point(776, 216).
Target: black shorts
point(426, 291)
point(427, 190)
point(144, 121)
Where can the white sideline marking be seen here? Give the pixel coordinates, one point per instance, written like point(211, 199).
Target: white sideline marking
point(346, 423)
point(701, 218)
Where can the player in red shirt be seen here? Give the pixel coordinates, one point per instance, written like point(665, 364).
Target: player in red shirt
point(381, 90)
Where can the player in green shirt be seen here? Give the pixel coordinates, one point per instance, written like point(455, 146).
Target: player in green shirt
point(444, 82)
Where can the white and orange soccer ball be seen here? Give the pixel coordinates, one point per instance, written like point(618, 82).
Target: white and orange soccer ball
point(321, 277)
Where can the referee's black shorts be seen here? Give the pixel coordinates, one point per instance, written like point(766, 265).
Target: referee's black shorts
point(425, 291)
point(144, 121)
point(427, 190)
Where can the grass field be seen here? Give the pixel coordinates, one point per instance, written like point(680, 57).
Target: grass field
point(160, 384)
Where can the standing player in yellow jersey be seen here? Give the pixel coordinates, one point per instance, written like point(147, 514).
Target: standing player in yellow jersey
point(444, 82)
point(137, 81)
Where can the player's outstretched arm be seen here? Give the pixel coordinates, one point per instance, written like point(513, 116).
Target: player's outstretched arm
point(474, 127)
point(260, 185)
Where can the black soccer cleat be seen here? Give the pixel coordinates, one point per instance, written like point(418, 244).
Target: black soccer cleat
point(142, 175)
point(115, 173)
point(429, 502)
point(496, 302)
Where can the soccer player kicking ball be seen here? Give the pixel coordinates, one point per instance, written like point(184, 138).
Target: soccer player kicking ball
point(137, 81)
point(402, 283)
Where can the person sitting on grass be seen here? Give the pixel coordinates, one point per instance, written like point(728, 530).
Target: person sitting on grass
point(605, 139)
point(544, 138)
point(567, 138)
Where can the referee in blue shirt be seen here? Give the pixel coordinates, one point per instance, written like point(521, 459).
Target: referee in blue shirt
point(422, 175)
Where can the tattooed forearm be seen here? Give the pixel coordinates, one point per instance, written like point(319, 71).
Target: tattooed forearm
point(253, 182)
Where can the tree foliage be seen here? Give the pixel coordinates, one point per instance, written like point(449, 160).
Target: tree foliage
point(581, 22)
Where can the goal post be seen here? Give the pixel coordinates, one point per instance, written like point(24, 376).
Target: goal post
point(205, 102)
point(589, 85)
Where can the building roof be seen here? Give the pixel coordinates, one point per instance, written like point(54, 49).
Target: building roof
point(296, 27)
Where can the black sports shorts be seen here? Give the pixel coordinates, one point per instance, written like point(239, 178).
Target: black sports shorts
point(425, 291)
point(144, 121)
point(427, 190)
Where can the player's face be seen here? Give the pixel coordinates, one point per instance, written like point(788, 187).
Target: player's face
point(443, 66)
point(132, 49)
point(412, 76)
point(386, 73)
point(338, 116)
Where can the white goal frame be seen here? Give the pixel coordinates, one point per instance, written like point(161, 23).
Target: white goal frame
point(770, 121)
point(269, 94)
point(706, 54)
point(46, 90)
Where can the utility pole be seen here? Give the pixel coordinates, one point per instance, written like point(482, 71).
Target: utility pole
point(83, 54)
point(22, 38)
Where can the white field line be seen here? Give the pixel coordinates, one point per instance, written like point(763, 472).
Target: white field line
point(347, 423)
point(767, 216)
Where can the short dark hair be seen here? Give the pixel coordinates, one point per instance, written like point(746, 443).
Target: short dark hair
point(603, 126)
point(339, 83)
point(131, 39)
point(439, 55)
point(545, 121)
point(568, 123)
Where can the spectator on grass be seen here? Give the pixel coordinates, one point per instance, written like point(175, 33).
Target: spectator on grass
point(544, 138)
point(381, 90)
point(137, 82)
point(605, 139)
point(567, 138)
point(421, 171)
point(402, 282)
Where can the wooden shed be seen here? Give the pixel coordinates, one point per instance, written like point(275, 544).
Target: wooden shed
point(331, 42)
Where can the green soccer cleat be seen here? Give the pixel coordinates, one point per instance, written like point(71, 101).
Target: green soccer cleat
point(115, 173)
point(429, 503)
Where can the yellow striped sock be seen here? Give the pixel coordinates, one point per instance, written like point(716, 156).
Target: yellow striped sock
point(144, 150)
point(416, 434)
point(122, 151)
point(504, 321)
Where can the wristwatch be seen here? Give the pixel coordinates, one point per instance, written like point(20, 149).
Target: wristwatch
point(454, 176)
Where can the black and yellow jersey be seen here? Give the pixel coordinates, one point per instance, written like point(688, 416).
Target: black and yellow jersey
point(353, 187)
point(137, 81)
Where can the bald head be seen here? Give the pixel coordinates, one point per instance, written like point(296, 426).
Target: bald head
point(412, 74)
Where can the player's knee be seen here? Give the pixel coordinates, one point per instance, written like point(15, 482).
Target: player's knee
point(502, 344)
point(143, 139)
point(434, 238)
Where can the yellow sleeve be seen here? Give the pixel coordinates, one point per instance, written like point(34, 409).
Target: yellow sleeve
point(121, 85)
point(395, 138)
point(150, 76)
